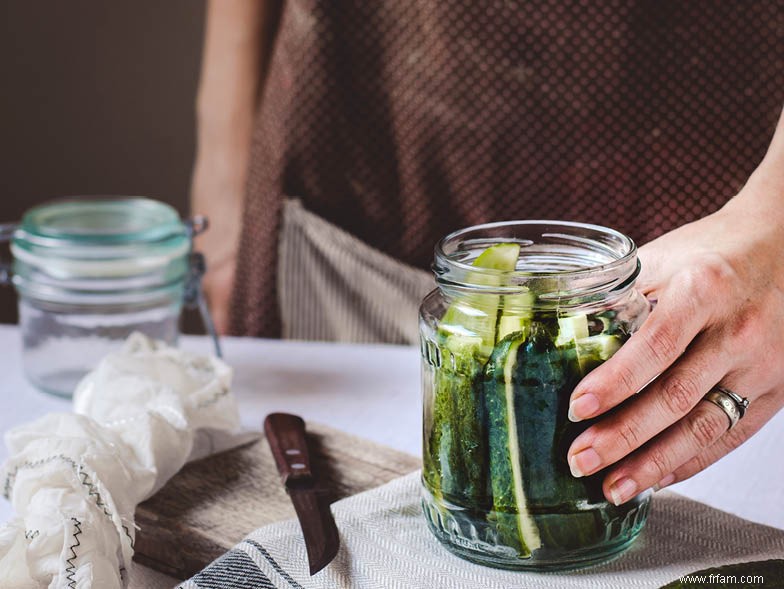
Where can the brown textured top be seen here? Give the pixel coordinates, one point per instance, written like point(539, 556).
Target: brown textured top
point(403, 120)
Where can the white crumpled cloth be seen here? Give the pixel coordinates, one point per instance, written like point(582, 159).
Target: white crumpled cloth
point(75, 479)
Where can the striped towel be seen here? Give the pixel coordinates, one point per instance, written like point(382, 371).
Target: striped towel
point(334, 287)
point(385, 543)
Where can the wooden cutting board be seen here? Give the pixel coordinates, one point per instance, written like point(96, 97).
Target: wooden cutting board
point(211, 504)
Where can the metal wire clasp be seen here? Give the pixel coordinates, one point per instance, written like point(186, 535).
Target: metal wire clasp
point(6, 233)
point(194, 293)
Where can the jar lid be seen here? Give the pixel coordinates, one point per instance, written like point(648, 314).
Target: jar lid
point(100, 237)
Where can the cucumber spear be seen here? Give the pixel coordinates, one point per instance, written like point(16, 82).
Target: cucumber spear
point(456, 462)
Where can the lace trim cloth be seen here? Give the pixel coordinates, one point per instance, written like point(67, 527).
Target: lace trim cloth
point(75, 479)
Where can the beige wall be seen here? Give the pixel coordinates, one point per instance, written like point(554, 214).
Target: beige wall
point(96, 97)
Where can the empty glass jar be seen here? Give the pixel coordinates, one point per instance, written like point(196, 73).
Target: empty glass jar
point(91, 271)
point(523, 310)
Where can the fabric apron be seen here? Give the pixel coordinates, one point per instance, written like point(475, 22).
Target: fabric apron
point(403, 121)
point(334, 287)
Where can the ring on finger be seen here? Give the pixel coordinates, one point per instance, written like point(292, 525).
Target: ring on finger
point(733, 405)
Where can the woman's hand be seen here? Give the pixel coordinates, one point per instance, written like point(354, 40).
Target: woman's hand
point(217, 192)
point(719, 319)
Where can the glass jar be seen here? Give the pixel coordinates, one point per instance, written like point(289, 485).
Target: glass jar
point(523, 310)
point(91, 271)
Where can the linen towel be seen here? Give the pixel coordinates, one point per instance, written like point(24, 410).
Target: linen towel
point(385, 544)
point(334, 287)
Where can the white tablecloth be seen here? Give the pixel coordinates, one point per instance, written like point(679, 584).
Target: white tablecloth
point(373, 391)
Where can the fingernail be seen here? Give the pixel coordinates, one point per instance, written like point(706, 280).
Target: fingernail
point(665, 482)
point(583, 407)
point(584, 462)
point(622, 490)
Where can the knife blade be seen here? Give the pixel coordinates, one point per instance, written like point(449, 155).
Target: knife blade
point(286, 436)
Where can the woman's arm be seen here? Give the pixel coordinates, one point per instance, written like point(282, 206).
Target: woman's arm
point(237, 42)
point(719, 283)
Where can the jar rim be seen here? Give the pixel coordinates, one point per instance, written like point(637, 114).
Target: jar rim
point(566, 258)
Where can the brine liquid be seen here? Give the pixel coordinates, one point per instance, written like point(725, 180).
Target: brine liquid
point(572, 536)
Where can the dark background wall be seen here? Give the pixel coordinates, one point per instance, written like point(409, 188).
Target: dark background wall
point(97, 97)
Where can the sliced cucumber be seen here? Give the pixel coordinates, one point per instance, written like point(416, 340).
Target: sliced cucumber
point(466, 361)
point(593, 350)
point(509, 324)
point(501, 256)
point(600, 347)
point(477, 314)
point(571, 328)
point(513, 522)
point(516, 313)
point(456, 453)
point(542, 380)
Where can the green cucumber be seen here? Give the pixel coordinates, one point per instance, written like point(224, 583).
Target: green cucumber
point(456, 466)
point(468, 422)
point(571, 328)
point(527, 386)
point(442, 461)
point(477, 314)
point(514, 525)
point(501, 256)
point(516, 313)
point(544, 380)
point(593, 350)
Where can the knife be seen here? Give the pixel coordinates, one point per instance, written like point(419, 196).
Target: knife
point(286, 436)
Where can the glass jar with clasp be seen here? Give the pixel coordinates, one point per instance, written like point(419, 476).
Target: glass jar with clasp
point(90, 271)
point(522, 312)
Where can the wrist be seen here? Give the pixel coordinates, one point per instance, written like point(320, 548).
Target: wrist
point(770, 173)
point(763, 194)
point(220, 249)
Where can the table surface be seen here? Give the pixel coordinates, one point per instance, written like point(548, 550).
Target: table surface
point(373, 391)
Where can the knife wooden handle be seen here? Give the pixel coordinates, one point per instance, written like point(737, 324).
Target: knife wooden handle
point(286, 436)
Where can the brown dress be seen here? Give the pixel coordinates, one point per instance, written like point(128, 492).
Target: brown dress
point(402, 120)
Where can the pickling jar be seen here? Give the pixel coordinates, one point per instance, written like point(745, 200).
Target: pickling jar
point(522, 312)
point(90, 271)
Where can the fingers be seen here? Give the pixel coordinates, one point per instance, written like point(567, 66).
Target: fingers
point(748, 426)
point(683, 310)
point(699, 430)
point(664, 402)
point(703, 434)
